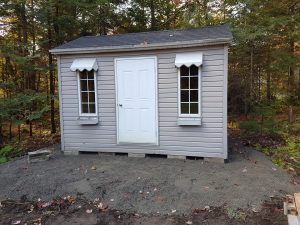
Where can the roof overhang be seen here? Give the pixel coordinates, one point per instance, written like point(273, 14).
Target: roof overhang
point(188, 59)
point(84, 64)
point(142, 47)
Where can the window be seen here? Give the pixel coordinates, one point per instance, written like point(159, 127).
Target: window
point(189, 91)
point(87, 93)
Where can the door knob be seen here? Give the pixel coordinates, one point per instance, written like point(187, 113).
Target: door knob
point(120, 105)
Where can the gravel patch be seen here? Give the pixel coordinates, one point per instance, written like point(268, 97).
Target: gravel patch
point(150, 185)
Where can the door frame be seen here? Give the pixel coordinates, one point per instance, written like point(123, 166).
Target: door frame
point(116, 60)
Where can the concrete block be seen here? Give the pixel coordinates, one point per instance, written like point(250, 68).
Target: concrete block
point(136, 155)
point(176, 157)
point(104, 154)
point(39, 155)
point(71, 152)
point(214, 160)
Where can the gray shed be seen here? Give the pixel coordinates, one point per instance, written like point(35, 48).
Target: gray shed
point(162, 92)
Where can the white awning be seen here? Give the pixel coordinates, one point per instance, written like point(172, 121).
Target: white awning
point(188, 59)
point(84, 64)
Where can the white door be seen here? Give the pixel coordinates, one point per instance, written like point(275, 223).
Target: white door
point(136, 100)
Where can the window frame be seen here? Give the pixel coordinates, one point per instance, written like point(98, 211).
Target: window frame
point(179, 94)
point(79, 95)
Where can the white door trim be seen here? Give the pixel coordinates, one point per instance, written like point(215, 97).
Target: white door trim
point(156, 95)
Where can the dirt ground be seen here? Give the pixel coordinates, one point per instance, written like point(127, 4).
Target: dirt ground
point(150, 186)
point(75, 213)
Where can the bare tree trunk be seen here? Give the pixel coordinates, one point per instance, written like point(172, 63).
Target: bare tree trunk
point(51, 78)
point(205, 9)
point(259, 84)
point(152, 14)
point(291, 78)
point(38, 82)
point(19, 132)
point(33, 73)
point(10, 130)
point(1, 134)
point(291, 74)
point(299, 86)
point(30, 128)
point(251, 74)
point(268, 85)
point(52, 94)
point(291, 115)
point(268, 78)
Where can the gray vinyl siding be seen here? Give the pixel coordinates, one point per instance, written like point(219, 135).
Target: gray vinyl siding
point(207, 140)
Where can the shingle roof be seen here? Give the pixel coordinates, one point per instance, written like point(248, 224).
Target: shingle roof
point(207, 34)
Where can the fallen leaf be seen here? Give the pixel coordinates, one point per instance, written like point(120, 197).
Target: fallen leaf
point(48, 213)
point(189, 222)
point(244, 170)
point(155, 189)
point(207, 207)
point(31, 209)
point(93, 168)
point(16, 222)
point(148, 192)
point(89, 211)
point(173, 210)
point(46, 204)
point(102, 206)
point(71, 199)
point(112, 200)
point(141, 192)
point(254, 210)
point(274, 169)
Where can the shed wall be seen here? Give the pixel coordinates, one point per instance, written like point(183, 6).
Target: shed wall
point(207, 140)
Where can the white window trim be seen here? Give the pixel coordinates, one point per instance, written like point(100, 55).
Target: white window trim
point(79, 95)
point(199, 96)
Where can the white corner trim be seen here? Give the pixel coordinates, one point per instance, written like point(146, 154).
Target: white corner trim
point(60, 99)
point(225, 91)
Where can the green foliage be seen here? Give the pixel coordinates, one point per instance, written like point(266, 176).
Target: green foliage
point(263, 118)
point(27, 106)
point(284, 156)
point(252, 126)
point(5, 153)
